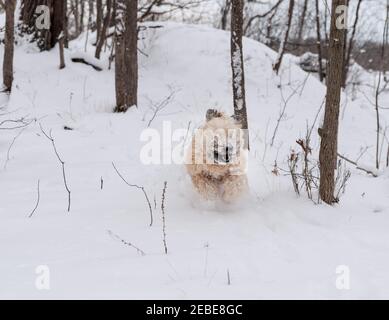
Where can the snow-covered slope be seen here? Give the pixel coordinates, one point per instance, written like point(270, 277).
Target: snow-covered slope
point(274, 245)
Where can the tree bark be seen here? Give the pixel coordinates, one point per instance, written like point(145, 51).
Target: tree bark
point(103, 32)
point(126, 57)
point(302, 21)
point(351, 45)
point(224, 12)
point(237, 65)
point(76, 13)
point(284, 40)
point(9, 44)
point(329, 130)
point(82, 16)
point(319, 48)
point(57, 21)
point(99, 19)
point(61, 42)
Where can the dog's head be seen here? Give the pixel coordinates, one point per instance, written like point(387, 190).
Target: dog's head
point(222, 138)
point(217, 144)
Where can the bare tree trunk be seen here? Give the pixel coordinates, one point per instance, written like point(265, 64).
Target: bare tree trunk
point(302, 21)
point(113, 16)
point(351, 45)
point(82, 16)
point(91, 6)
point(126, 57)
point(76, 13)
point(9, 44)
point(269, 40)
point(237, 65)
point(131, 52)
point(329, 130)
point(225, 11)
point(61, 51)
point(325, 25)
point(378, 90)
point(103, 33)
point(57, 21)
point(345, 47)
point(277, 64)
point(99, 19)
point(319, 49)
point(65, 25)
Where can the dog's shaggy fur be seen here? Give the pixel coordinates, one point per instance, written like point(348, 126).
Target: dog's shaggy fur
point(216, 166)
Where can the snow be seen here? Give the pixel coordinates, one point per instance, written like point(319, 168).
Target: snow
point(273, 245)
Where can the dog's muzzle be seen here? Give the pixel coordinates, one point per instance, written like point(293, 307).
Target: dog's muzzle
point(223, 155)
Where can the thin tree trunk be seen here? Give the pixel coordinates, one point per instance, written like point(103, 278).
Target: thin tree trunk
point(65, 25)
point(329, 130)
point(61, 52)
point(9, 44)
point(76, 13)
point(284, 40)
point(131, 53)
point(82, 15)
point(325, 24)
point(269, 40)
point(345, 48)
point(126, 60)
point(113, 16)
point(120, 81)
point(351, 45)
point(237, 65)
point(99, 19)
point(378, 89)
point(319, 48)
point(58, 21)
point(225, 11)
point(103, 33)
point(302, 21)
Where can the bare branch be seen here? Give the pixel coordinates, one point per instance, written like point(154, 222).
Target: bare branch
point(138, 187)
point(163, 216)
point(258, 16)
point(37, 202)
point(50, 137)
point(116, 237)
point(11, 145)
point(357, 166)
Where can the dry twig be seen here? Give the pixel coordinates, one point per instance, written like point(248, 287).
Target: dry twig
point(138, 187)
point(163, 216)
point(50, 137)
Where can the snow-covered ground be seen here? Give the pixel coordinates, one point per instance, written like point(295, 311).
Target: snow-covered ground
point(274, 245)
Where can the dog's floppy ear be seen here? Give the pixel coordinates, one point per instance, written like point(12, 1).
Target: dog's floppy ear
point(236, 119)
point(213, 113)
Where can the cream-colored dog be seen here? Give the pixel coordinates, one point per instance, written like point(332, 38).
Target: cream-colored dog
point(216, 160)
